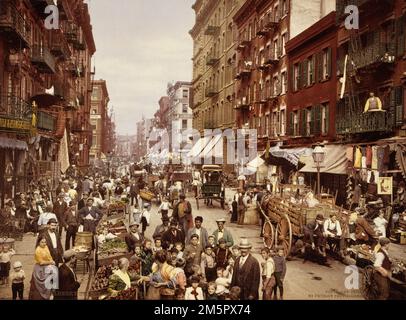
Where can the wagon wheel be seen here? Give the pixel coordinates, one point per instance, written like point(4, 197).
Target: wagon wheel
point(369, 287)
point(268, 232)
point(284, 234)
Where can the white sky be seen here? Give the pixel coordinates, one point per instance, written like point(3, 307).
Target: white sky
point(141, 46)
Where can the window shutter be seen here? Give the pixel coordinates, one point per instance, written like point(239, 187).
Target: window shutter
point(319, 63)
point(305, 73)
point(299, 76)
point(400, 36)
point(312, 120)
point(399, 105)
point(317, 120)
point(327, 118)
point(279, 46)
point(292, 78)
point(329, 64)
point(291, 124)
point(302, 123)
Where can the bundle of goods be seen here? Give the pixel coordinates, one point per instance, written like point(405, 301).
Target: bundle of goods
point(111, 248)
point(82, 251)
point(129, 294)
point(147, 195)
point(399, 270)
point(116, 228)
point(117, 205)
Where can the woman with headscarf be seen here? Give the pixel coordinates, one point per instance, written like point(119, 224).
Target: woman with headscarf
point(44, 275)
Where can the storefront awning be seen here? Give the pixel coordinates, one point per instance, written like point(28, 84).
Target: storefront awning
point(335, 161)
point(8, 143)
point(291, 155)
point(256, 163)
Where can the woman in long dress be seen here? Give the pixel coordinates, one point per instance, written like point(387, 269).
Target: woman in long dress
point(45, 275)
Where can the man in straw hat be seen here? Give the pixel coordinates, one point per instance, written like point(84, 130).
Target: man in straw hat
point(134, 236)
point(246, 272)
point(221, 232)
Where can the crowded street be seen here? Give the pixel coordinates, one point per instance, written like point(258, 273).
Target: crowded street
point(202, 150)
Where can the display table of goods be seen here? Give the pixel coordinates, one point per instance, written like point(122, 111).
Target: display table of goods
point(117, 228)
point(117, 208)
point(100, 283)
point(112, 250)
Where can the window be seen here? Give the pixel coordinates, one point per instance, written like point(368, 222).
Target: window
point(296, 77)
point(275, 48)
point(94, 127)
point(295, 123)
point(324, 118)
point(185, 93)
point(284, 40)
point(310, 69)
point(267, 125)
point(275, 122)
point(308, 121)
point(184, 124)
point(283, 122)
point(184, 108)
point(285, 7)
point(94, 111)
point(96, 93)
point(284, 82)
point(325, 64)
point(94, 141)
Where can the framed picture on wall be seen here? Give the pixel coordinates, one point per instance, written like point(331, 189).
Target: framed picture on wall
point(385, 185)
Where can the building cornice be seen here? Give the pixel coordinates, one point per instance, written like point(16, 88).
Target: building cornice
point(203, 17)
point(246, 10)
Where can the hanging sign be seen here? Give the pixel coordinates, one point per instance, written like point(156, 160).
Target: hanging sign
point(385, 185)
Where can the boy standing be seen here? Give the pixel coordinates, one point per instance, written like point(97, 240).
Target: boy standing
point(280, 272)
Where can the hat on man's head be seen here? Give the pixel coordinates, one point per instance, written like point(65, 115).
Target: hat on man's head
point(146, 205)
point(244, 244)
point(52, 220)
point(199, 218)
point(135, 223)
point(320, 217)
point(68, 254)
point(222, 240)
point(221, 220)
point(182, 196)
point(17, 264)
point(174, 222)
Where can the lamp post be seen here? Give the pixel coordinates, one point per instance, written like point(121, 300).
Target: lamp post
point(318, 157)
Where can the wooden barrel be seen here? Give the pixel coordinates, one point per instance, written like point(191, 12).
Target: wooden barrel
point(84, 239)
point(251, 216)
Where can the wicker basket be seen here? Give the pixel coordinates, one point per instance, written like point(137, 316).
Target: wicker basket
point(146, 195)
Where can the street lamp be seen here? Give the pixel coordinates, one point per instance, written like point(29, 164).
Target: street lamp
point(318, 157)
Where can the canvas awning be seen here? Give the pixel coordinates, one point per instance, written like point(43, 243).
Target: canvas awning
point(256, 163)
point(8, 143)
point(335, 161)
point(291, 155)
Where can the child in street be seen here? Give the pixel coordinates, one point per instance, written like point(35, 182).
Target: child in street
point(212, 241)
point(208, 264)
point(280, 272)
point(268, 278)
point(157, 245)
point(194, 292)
point(223, 283)
point(5, 258)
point(164, 207)
point(211, 291)
point(17, 277)
point(179, 247)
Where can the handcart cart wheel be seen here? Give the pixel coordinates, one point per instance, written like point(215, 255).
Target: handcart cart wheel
point(268, 232)
point(369, 287)
point(284, 234)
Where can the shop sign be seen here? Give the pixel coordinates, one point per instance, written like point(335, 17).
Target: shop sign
point(14, 125)
point(385, 185)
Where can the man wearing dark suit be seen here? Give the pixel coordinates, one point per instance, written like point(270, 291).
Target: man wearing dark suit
point(173, 235)
point(315, 234)
point(246, 272)
point(200, 231)
point(90, 216)
point(82, 202)
point(60, 207)
point(134, 237)
point(53, 240)
point(68, 284)
point(72, 222)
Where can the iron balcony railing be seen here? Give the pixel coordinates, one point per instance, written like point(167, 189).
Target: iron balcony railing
point(14, 25)
point(212, 59)
point(365, 122)
point(243, 102)
point(14, 107)
point(59, 46)
point(211, 91)
point(43, 59)
point(71, 32)
point(211, 30)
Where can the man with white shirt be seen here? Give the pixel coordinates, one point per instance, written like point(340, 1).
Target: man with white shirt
point(134, 237)
point(246, 272)
point(333, 232)
point(45, 217)
point(53, 240)
point(90, 216)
